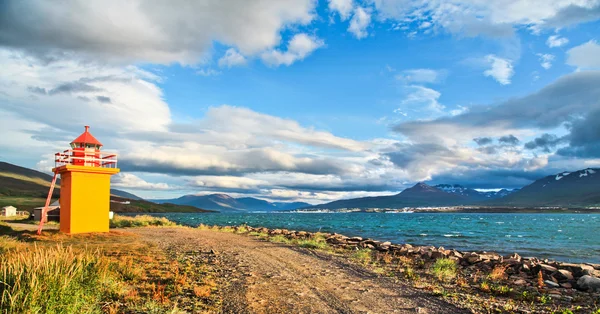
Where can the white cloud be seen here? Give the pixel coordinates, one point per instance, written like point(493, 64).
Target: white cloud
point(585, 56)
point(546, 60)
point(298, 48)
point(492, 18)
point(422, 99)
point(227, 182)
point(420, 76)
point(342, 7)
point(556, 41)
point(501, 69)
point(359, 22)
point(232, 58)
point(208, 72)
point(133, 182)
point(146, 30)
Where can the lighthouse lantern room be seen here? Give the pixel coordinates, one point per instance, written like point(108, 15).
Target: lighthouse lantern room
point(85, 173)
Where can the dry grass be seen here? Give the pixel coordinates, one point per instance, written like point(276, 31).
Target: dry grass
point(140, 221)
point(121, 275)
point(55, 280)
point(499, 273)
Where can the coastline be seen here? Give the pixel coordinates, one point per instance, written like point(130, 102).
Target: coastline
point(507, 277)
point(246, 269)
point(554, 236)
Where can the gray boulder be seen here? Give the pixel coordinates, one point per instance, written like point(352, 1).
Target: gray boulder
point(588, 283)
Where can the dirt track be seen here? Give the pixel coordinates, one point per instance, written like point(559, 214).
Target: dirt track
point(263, 277)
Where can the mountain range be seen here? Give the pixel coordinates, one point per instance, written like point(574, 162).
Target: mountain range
point(27, 187)
point(226, 203)
point(567, 189)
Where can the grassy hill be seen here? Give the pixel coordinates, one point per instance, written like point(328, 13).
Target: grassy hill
point(26, 189)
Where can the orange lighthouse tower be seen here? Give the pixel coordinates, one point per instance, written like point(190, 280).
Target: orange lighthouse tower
point(85, 185)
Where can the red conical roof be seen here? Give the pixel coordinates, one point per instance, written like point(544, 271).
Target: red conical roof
point(86, 138)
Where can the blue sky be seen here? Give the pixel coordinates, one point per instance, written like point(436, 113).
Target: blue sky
point(305, 100)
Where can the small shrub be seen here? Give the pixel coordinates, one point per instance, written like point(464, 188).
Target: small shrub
point(444, 269)
point(139, 221)
point(484, 286)
point(540, 280)
point(544, 299)
point(312, 244)
point(499, 273)
point(410, 274)
point(501, 290)
point(279, 239)
point(363, 256)
point(242, 229)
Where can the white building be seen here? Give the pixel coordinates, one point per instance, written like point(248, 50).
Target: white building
point(8, 211)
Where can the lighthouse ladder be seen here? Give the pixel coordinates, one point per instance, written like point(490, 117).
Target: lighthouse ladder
point(45, 209)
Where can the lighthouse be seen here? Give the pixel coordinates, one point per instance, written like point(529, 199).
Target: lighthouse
point(85, 173)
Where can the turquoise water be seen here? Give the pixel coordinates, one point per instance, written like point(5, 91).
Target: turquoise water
point(564, 237)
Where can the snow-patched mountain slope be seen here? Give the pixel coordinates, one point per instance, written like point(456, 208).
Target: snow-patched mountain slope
point(472, 193)
point(577, 188)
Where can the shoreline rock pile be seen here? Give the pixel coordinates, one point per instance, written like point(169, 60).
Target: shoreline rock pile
point(560, 279)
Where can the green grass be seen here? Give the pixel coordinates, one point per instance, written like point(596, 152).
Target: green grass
point(444, 269)
point(280, 239)
point(55, 280)
point(316, 242)
point(139, 221)
point(22, 202)
point(363, 256)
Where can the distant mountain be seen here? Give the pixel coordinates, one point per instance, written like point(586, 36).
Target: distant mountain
point(473, 194)
point(27, 188)
point(17, 180)
point(124, 194)
point(579, 188)
point(226, 203)
point(420, 195)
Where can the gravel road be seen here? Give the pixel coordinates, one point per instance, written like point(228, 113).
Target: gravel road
point(264, 277)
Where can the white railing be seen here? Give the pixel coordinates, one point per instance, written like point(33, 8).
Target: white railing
point(85, 158)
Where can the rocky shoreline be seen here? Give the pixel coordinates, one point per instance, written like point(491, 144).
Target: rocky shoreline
point(564, 283)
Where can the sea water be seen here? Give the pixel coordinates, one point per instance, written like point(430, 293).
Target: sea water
point(563, 237)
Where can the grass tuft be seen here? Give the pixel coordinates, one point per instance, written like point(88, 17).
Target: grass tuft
point(140, 221)
point(363, 256)
point(280, 239)
point(55, 280)
point(444, 269)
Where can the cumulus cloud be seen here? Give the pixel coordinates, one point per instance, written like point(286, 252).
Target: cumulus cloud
point(556, 41)
point(482, 141)
point(546, 60)
point(569, 97)
point(146, 30)
point(232, 58)
point(546, 142)
point(422, 101)
point(133, 182)
point(299, 47)
point(509, 140)
point(586, 56)
point(501, 69)
point(569, 105)
point(342, 7)
point(360, 22)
